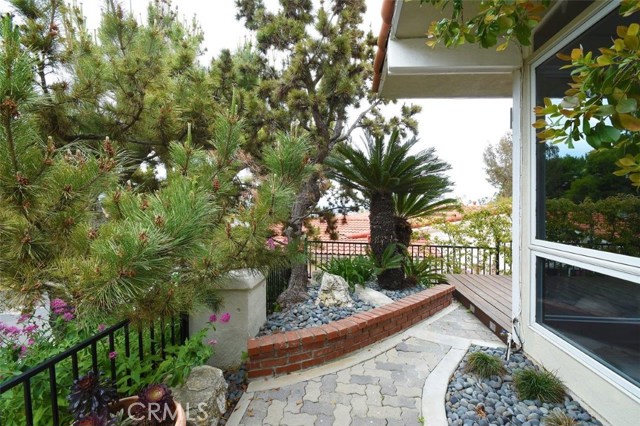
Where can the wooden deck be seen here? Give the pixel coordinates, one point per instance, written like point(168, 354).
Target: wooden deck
point(488, 297)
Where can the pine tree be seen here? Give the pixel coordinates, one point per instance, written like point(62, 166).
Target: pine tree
point(325, 72)
point(71, 227)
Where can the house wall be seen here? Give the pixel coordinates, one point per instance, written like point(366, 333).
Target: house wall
point(611, 398)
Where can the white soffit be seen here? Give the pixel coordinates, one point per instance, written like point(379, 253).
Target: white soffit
point(414, 70)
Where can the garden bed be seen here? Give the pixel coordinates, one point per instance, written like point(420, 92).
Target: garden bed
point(307, 314)
point(473, 401)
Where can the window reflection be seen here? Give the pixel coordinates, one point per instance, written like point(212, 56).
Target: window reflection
point(598, 313)
point(580, 201)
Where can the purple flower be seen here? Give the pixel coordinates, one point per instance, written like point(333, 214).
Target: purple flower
point(213, 318)
point(212, 342)
point(58, 303)
point(101, 327)
point(30, 328)
point(30, 342)
point(24, 318)
point(225, 317)
point(13, 330)
point(23, 351)
point(113, 355)
point(68, 316)
point(271, 244)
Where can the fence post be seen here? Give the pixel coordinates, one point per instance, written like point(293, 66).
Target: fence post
point(498, 258)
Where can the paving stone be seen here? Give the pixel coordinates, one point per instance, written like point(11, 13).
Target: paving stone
point(368, 421)
point(275, 412)
point(350, 388)
point(411, 417)
point(329, 383)
point(374, 397)
point(400, 401)
point(391, 366)
point(409, 392)
point(335, 398)
point(385, 412)
point(387, 387)
point(312, 391)
point(343, 376)
point(303, 419)
point(317, 408)
point(364, 380)
point(342, 411)
point(280, 394)
point(359, 407)
point(377, 373)
point(325, 420)
point(357, 369)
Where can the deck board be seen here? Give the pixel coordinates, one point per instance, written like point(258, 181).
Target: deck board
point(488, 296)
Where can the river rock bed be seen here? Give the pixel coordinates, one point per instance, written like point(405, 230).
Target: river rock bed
point(472, 401)
point(307, 314)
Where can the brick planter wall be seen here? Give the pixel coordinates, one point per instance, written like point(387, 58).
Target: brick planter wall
point(295, 350)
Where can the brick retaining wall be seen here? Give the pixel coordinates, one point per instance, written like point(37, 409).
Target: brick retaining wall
point(295, 350)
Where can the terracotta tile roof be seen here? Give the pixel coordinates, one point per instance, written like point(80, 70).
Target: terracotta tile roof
point(383, 37)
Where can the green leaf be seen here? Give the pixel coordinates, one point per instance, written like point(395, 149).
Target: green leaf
point(608, 133)
point(593, 139)
point(627, 105)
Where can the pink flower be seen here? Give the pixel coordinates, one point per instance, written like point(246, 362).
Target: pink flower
point(68, 316)
point(101, 327)
point(225, 317)
point(213, 318)
point(58, 306)
point(30, 328)
point(212, 342)
point(271, 244)
point(30, 342)
point(24, 318)
point(23, 351)
point(113, 355)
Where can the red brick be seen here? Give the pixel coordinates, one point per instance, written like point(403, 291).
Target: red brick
point(320, 335)
point(299, 357)
point(274, 362)
point(311, 362)
point(288, 368)
point(332, 332)
point(306, 336)
point(260, 373)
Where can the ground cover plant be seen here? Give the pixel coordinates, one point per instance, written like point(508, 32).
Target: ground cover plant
point(485, 365)
point(356, 270)
point(542, 385)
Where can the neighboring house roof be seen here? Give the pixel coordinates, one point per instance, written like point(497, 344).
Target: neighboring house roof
point(354, 227)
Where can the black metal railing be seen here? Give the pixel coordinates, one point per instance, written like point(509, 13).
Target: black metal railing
point(100, 352)
point(445, 260)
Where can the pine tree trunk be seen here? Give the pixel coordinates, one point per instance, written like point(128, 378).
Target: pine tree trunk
point(306, 199)
point(382, 226)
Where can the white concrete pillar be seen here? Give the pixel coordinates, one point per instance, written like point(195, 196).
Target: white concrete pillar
point(244, 294)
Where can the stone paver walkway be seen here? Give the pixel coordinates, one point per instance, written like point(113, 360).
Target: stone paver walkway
point(380, 385)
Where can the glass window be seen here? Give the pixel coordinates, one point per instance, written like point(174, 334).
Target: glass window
point(595, 312)
point(580, 202)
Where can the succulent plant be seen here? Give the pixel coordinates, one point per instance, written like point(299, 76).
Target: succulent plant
point(90, 398)
point(95, 420)
point(156, 407)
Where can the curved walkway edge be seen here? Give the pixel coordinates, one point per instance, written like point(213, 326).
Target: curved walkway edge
point(401, 380)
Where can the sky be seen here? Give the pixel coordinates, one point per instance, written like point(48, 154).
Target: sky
point(458, 129)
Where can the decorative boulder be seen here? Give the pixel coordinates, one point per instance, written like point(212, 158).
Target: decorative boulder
point(203, 396)
point(371, 296)
point(334, 291)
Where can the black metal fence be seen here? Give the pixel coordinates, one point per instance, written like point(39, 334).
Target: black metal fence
point(100, 352)
point(444, 259)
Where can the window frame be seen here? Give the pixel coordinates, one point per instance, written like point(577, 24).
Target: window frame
point(616, 265)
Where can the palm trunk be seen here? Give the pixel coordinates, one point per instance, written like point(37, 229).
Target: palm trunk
point(403, 231)
point(382, 226)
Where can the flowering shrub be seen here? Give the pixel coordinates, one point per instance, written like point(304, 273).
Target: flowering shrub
point(35, 339)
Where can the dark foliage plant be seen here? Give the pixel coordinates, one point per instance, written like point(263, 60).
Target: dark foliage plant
point(90, 398)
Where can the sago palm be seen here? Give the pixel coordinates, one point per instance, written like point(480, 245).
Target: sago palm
point(415, 205)
point(382, 169)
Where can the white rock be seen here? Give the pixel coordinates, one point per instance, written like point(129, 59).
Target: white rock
point(203, 396)
point(371, 296)
point(334, 291)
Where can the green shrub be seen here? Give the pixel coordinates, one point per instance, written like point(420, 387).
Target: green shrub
point(484, 365)
point(355, 270)
point(558, 418)
point(422, 272)
point(542, 385)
